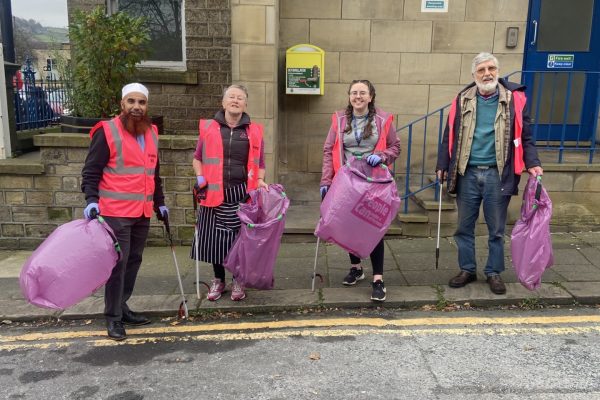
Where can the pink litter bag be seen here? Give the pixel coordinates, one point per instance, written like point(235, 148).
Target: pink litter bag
point(75, 260)
point(252, 257)
point(531, 243)
point(359, 207)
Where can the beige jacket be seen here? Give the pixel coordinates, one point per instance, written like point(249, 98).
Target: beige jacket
point(468, 100)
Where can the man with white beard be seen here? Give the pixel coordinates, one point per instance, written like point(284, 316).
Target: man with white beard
point(486, 146)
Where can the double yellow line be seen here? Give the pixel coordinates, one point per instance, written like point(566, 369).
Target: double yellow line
point(331, 327)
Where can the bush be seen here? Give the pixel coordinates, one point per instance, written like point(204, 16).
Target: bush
point(106, 50)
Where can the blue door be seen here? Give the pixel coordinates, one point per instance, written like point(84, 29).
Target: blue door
point(561, 68)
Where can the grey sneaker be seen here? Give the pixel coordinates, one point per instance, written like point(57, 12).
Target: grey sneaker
point(353, 276)
point(378, 293)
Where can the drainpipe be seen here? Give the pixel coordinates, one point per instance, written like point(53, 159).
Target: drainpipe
point(8, 131)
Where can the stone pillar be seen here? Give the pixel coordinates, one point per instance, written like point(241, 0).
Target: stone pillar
point(10, 70)
point(254, 41)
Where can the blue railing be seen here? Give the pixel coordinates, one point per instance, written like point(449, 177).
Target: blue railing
point(564, 109)
point(38, 102)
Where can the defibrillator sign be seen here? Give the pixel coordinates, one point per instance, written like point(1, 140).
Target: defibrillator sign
point(304, 70)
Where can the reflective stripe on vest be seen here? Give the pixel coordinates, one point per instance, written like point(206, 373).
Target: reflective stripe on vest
point(125, 196)
point(212, 159)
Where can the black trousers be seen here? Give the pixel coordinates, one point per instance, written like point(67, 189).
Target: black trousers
point(131, 234)
point(376, 258)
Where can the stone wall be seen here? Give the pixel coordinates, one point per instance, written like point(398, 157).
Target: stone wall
point(38, 196)
point(183, 97)
point(417, 62)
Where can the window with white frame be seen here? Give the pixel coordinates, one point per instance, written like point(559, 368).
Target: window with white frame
point(165, 19)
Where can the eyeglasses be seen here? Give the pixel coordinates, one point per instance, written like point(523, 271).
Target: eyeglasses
point(356, 94)
point(481, 71)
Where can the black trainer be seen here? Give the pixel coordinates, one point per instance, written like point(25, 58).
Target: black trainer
point(353, 276)
point(378, 293)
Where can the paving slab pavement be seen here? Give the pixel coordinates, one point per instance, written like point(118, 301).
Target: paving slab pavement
point(410, 277)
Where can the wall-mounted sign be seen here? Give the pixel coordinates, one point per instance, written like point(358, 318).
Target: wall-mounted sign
point(434, 5)
point(561, 61)
point(304, 66)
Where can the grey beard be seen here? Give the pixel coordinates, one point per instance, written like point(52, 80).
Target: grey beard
point(487, 87)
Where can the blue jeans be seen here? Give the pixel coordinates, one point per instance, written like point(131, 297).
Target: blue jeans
point(477, 186)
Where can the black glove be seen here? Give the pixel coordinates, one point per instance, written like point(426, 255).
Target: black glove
point(200, 193)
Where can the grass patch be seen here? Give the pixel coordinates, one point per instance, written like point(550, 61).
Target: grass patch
point(531, 303)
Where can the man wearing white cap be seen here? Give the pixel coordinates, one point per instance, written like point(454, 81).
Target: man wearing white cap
point(121, 182)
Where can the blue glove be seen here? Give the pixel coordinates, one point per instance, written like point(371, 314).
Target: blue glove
point(162, 213)
point(324, 190)
point(87, 213)
point(374, 160)
point(201, 181)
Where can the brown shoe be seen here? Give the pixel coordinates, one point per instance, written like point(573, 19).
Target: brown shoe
point(462, 279)
point(496, 284)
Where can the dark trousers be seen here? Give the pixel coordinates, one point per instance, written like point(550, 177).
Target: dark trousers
point(131, 234)
point(376, 258)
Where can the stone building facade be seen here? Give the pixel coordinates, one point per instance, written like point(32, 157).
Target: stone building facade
point(417, 61)
point(184, 96)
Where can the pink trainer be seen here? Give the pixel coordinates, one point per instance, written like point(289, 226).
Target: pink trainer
point(237, 291)
point(217, 288)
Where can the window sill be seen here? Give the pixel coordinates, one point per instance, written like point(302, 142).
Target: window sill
point(147, 75)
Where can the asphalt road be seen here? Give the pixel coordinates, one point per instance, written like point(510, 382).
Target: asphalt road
point(478, 354)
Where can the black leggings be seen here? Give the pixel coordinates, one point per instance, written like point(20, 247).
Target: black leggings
point(376, 258)
point(219, 271)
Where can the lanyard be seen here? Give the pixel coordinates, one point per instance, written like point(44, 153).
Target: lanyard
point(357, 131)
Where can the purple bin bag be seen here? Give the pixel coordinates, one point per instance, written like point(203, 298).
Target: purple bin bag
point(75, 260)
point(531, 243)
point(252, 257)
point(359, 207)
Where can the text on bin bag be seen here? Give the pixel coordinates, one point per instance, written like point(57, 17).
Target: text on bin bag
point(372, 210)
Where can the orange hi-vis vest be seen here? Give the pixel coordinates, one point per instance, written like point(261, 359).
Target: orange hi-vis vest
point(339, 122)
point(212, 159)
point(519, 101)
point(126, 188)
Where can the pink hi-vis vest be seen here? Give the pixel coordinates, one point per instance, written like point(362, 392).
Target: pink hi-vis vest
point(519, 100)
point(212, 159)
point(339, 118)
point(126, 188)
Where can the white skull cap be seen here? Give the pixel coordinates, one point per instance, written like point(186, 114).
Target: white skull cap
point(134, 87)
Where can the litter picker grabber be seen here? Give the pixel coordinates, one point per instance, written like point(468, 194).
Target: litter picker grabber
point(198, 194)
point(437, 246)
point(183, 309)
point(314, 274)
point(196, 245)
